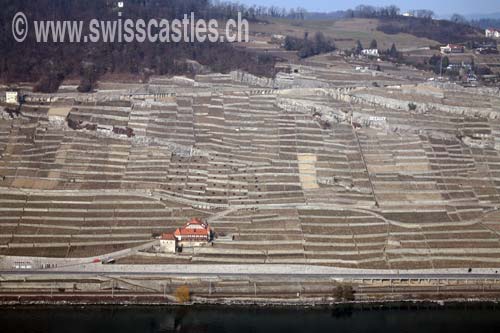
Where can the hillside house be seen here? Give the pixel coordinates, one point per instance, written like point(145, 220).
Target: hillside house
point(370, 52)
point(452, 48)
point(492, 33)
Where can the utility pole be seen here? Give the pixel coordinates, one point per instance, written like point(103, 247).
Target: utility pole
point(112, 288)
point(209, 287)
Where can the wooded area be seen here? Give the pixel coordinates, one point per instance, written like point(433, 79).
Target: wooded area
point(48, 64)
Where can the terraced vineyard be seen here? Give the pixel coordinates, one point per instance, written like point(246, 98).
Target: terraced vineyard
point(308, 168)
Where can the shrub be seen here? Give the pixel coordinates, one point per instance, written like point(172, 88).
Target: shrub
point(85, 86)
point(182, 294)
point(73, 124)
point(348, 293)
point(339, 292)
point(344, 292)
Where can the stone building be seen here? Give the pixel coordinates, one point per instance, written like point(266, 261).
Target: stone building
point(168, 243)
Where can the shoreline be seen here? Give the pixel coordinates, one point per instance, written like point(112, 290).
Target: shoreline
point(247, 302)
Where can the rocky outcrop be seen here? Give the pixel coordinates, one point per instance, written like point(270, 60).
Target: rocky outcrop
point(252, 80)
point(398, 104)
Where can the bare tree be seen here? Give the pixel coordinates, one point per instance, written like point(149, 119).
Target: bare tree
point(457, 18)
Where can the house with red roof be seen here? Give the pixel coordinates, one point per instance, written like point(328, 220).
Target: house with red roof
point(452, 48)
point(492, 33)
point(194, 233)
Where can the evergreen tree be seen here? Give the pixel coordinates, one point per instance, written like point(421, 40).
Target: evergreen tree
point(358, 48)
point(393, 52)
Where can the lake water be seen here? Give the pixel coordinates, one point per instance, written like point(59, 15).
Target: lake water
point(405, 318)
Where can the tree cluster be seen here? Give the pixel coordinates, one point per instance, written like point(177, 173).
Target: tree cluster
point(486, 23)
point(307, 47)
point(443, 31)
point(366, 11)
point(48, 64)
point(393, 52)
point(229, 9)
point(439, 63)
point(422, 13)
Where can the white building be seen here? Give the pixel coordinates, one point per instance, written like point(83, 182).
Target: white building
point(11, 97)
point(452, 48)
point(370, 52)
point(492, 33)
point(168, 243)
point(376, 119)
